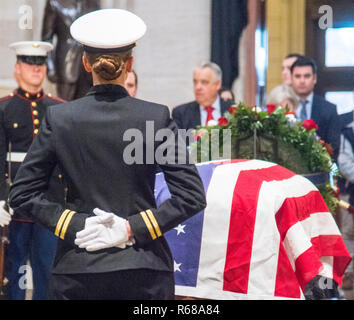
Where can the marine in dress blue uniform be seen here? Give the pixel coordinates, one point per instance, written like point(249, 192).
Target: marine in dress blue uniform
point(111, 233)
point(21, 114)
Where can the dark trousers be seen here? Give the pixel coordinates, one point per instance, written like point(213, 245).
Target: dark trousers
point(138, 284)
point(29, 241)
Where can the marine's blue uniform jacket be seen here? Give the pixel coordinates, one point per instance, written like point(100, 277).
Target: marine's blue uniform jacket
point(21, 114)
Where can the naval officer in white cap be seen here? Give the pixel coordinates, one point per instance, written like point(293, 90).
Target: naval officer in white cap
point(21, 114)
point(111, 234)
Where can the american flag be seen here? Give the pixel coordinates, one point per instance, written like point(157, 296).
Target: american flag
point(265, 233)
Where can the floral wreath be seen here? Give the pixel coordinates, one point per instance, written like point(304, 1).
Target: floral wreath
point(308, 154)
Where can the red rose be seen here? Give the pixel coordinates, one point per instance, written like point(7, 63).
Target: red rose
point(233, 109)
point(222, 121)
point(271, 108)
point(309, 124)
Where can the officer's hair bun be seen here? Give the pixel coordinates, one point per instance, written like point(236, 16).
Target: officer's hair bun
point(108, 66)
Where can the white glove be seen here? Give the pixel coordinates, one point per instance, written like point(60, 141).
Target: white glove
point(5, 216)
point(101, 217)
point(106, 230)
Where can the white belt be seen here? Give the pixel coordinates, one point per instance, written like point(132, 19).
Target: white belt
point(16, 156)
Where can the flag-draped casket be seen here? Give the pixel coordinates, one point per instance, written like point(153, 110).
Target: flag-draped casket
point(265, 233)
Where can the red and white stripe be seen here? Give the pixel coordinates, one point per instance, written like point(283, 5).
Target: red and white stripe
point(266, 233)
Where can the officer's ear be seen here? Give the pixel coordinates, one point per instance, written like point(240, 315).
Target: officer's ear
point(129, 64)
point(17, 67)
point(17, 72)
point(86, 64)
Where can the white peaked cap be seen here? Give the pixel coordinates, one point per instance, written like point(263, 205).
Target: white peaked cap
point(31, 48)
point(108, 30)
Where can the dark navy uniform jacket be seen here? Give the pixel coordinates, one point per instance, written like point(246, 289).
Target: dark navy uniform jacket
point(91, 139)
point(21, 114)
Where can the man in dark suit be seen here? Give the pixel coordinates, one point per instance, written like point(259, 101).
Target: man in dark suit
point(312, 106)
point(207, 105)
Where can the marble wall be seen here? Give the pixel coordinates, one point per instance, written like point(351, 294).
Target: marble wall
point(19, 20)
point(177, 39)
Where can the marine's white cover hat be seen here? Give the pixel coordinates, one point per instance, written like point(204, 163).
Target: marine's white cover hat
point(31, 48)
point(108, 30)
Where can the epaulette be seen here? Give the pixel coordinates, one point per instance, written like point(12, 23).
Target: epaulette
point(49, 95)
point(10, 96)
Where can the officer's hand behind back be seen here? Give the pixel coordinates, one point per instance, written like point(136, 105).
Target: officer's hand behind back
point(105, 230)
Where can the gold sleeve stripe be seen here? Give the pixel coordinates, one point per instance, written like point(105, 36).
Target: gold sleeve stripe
point(148, 224)
point(60, 222)
point(66, 224)
point(154, 223)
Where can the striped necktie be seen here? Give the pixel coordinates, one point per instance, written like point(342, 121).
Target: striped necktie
point(303, 113)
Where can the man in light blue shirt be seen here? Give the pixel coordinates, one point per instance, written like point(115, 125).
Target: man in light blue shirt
point(312, 106)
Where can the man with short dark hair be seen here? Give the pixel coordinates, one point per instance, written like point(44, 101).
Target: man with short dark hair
point(312, 106)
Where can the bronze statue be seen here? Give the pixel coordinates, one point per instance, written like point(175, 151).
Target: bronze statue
point(64, 63)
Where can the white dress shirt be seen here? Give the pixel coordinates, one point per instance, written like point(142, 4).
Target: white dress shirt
point(216, 111)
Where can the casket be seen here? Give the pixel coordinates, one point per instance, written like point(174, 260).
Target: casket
point(265, 234)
